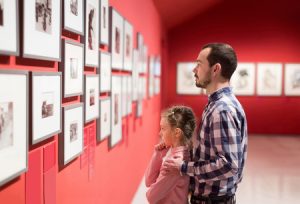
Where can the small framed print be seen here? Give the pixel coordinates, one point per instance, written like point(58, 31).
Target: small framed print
point(9, 27)
point(42, 29)
point(46, 105)
point(135, 75)
point(91, 97)
point(243, 79)
point(269, 79)
point(72, 66)
point(116, 39)
point(292, 80)
point(105, 72)
point(128, 46)
point(116, 108)
point(185, 79)
point(73, 16)
point(104, 124)
point(104, 22)
point(124, 95)
point(13, 124)
point(129, 95)
point(92, 33)
point(71, 138)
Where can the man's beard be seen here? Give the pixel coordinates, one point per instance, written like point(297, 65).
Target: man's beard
point(202, 84)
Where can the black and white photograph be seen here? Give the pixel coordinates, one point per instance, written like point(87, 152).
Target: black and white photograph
point(292, 80)
point(74, 7)
point(1, 12)
point(105, 72)
point(269, 79)
point(128, 45)
point(117, 40)
point(91, 28)
point(243, 79)
point(73, 16)
point(43, 15)
point(104, 22)
point(104, 124)
point(116, 108)
point(14, 128)
point(73, 68)
point(91, 97)
point(47, 104)
point(73, 131)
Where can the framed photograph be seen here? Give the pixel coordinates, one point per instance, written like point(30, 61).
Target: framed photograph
point(185, 83)
point(292, 80)
point(116, 108)
point(91, 97)
point(129, 95)
point(128, 45)
point(13, 124)
point(9, 27)
point(71, 138)
point(105, 72)
point(73, 16)
point(243, 79)
point(92, 33)
point(135, 75)
point(104, 22)
point(124, 95)
point(72, 67)
point(269, 79)
point(104, 124)
point(42, 29)
point(116, 39)
point(46, 105)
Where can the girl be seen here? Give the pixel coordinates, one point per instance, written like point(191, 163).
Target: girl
point(177, 125)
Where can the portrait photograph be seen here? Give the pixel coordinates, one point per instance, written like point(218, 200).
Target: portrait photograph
point(71, 137)
point(104, 22)
point(104, 124)
point(116, 39)
point(292, 79)
point(92, 33)
point(116, 108)
point(128, 45)
point(14, 128)
point(91, 97)
point(105, 72)
point(243, 79)
point(73, 16)
point(269, 79)
point(9, 27)
point(42, 26)
point(46, 105)
point(185, 83)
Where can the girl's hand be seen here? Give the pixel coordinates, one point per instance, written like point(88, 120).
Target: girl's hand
point(160, 146)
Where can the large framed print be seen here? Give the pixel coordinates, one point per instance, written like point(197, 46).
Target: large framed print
point(269, 79)
point(73, 16)
point(13, 124)
point(185, 83)
point(104, 124)
point(42, 29)
point(9, 27)
point(243, 79)
point(116, 108)
point(135, 75)
point(92, 33)
point(104, 22)
point(105, 72)
point(91, 97)
point(128, 45)
point(71, 138)
point(116, 38)
point(46, 105)
point(124, 95)
point(72, 66)
point(292, 80)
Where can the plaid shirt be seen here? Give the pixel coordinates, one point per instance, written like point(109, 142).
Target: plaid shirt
point(220, 148)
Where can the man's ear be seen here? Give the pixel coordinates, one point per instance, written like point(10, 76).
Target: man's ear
point(217, 69)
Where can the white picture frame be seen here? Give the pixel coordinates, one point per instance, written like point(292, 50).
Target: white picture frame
point(124, 95)
point(185, 80)
point(292, 79)
point(129, 95)
point(128, 45)
point(13, 124)
point(135, 75)
point(104, 22)
point(269, 79)
point(105, 72)
point(73, 16)
point(157, 68)
point(157, 85)
point(104, 122)
point(151, 76)
point(243, 79)
point(91, 97)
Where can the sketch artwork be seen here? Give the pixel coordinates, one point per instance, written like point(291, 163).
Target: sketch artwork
point(6, 124)
point(43, 16)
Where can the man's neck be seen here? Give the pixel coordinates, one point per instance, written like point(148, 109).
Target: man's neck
point(216, 86)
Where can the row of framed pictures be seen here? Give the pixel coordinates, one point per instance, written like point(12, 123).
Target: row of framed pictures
point(268, 77)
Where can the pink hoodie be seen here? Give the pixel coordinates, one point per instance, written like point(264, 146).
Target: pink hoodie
point(166, 187)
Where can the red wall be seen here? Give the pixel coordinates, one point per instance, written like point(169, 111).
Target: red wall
point(259, 31)
point(100, 175)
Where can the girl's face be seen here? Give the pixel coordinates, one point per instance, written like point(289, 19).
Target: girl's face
point(166, 132)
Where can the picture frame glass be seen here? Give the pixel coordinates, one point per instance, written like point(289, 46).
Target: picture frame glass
point(73, 16)
point(185, 79)
point(116, 108)
point(292, 80)
point(104, 22)
point(91, 97)
point(105, 118)
point(128, 45)
point(105, 72)
point(243, 79)
point(269, 79)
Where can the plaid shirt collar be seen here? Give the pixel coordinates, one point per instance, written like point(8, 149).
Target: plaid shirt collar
point(219, 94)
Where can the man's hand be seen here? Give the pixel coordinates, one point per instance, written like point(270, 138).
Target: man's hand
point(173, 164)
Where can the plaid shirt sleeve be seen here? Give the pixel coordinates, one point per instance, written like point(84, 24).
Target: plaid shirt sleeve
point(223, 153)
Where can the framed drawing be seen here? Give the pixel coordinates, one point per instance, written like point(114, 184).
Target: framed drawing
point(243, 79)
point(135, 75)
point(104, 22)
point(292, 80)
point(9, 27)
point(269, 79)
point(104, 124)
point(91, 97)
point(129, 95)
point(116, 108)
point(124, 95)
point(13, 124)
point(105, 72)
point(71, 138)
point(128, 45)
point(73, 16)
point(92, 33)
point(116, 39)
point(72, 67)
point(46, 105)
point(42, 29)
point(185, 83)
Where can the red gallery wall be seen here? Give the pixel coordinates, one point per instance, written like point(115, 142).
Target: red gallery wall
point(100, 174)
point(260, 31)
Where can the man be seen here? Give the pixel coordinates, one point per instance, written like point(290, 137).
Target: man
point(220, 145)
